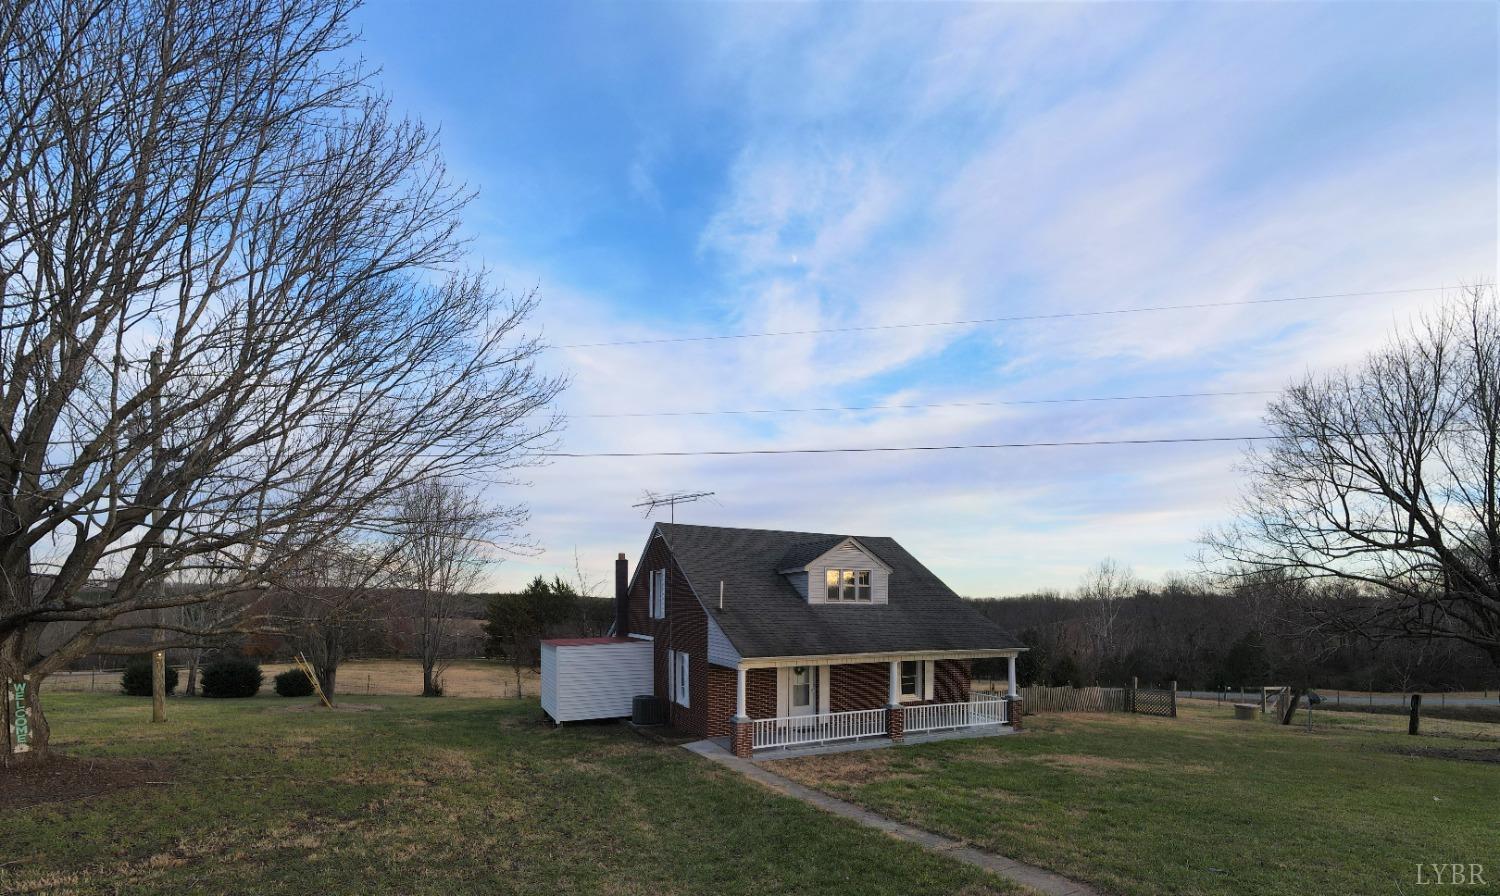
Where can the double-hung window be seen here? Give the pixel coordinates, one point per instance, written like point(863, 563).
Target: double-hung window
point(658, 595)
point(680, 667)
point(912, 683)
point(848, 585)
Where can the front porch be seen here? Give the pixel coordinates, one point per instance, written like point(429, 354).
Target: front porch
point(813, 716)
point(825, 748)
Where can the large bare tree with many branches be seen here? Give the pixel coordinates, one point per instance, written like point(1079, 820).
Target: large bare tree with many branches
point(1387, 476)
point(236, 321)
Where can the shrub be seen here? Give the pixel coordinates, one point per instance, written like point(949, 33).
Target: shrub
point(294, 683)
point(232, 677)
point(136, 680)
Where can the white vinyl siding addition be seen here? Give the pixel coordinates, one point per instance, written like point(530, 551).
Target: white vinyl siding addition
point(594, 681)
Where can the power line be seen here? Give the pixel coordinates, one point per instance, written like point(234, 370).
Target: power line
point(1081, 443)
point(1016, 318)
point(946, 404)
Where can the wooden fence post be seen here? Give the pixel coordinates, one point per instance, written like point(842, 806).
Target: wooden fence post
point(1290, 710)
point(158, 685)
point(1415, 721)
point(1135, 684)
point(1174, 699)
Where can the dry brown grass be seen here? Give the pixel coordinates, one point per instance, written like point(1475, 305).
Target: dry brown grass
point(397, 678)
point(466, 678)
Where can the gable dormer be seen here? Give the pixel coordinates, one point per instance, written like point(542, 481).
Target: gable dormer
point(837, 571)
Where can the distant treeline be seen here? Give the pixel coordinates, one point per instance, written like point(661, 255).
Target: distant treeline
point(1202, 638)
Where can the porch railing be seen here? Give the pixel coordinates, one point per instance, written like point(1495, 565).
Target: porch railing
point(789, 731)
point(984, 710)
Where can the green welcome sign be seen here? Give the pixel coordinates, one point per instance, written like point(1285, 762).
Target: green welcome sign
point(20, 729)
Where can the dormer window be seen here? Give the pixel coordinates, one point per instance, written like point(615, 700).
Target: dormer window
point(848, 585)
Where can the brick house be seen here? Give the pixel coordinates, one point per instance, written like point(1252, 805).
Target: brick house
point(773, 639)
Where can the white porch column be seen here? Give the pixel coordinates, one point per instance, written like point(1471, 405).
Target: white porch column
point(739, 693)
point(895, 688)
point(1010, 675)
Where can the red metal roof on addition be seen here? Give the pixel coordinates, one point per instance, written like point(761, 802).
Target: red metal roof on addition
point(584, 642)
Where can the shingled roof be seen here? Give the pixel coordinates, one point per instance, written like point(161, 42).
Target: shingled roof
point(764, 616)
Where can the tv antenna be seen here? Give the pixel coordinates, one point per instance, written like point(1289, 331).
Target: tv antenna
point(670, 500)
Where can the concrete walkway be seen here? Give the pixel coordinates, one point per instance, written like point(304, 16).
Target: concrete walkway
point(1038, 879)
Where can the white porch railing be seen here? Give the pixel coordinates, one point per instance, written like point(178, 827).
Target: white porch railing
point(790, 731)
point(984, 710)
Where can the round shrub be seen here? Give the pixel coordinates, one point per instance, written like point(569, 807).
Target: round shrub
point(294, 683)
point(136, 679)
point(232, 677)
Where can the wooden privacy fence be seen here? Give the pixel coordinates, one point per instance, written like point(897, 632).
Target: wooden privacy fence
point(1145, 701)
point(1065, 699)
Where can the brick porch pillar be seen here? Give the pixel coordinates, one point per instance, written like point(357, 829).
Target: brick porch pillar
point(744, 738)
point(1013, 711)
point(744, 732)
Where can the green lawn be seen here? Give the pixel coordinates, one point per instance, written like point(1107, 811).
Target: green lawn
point(430, 796)
point(1196, 805)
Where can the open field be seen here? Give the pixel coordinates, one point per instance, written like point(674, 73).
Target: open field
point(1196, 805)
point(465, 678)
point(1336, 697)
point(462, 795)
point(448, 796)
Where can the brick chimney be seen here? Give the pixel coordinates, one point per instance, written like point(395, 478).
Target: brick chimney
point(622, 596)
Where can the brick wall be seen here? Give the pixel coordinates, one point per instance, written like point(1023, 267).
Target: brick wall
point(720, 703)
point(760, 693)
point(854, 686)
point(867, 685)
point(684, 629)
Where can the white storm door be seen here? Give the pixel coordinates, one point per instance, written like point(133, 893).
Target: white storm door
point(802, 696)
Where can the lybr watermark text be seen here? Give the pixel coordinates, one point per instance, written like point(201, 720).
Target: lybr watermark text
point(1451, 874)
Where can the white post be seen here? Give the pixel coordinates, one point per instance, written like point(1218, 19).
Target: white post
point(1010, 675)
point(895, 689)
point(739, 693)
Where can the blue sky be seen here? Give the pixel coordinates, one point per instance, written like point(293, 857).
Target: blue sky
point(663, 170)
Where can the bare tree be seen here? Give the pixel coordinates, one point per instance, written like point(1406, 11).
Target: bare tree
point(1103, 590)
point(235, 319)
point(1387, 476)
point(449, 536)
point(207, 616)
point(336, 599)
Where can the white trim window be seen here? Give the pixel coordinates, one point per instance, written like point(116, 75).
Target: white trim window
point(658, 594)
point(916, 680)
point(848, 585)
point(679, 665)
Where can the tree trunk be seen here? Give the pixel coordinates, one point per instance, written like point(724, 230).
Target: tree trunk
point(192, 676)
point(429, 686)
point(327, 678)
point(38, 742)
point(158, 685)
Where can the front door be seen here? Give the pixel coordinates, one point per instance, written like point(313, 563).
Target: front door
point(803, 698)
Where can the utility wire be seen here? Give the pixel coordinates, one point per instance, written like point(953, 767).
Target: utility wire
point(947, 404)
point(1075, 443)
point(1008, 319)
point(1082, 443)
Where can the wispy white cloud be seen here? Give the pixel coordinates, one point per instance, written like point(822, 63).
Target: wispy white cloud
point(895, 164)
